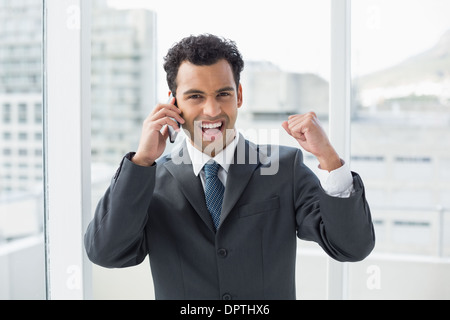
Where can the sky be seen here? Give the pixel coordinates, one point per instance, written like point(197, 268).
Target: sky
point(295, 34)
point(386, 32)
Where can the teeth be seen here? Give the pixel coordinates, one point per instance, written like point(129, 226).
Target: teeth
point(212, 125)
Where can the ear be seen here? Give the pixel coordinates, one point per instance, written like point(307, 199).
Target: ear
point(240, 99)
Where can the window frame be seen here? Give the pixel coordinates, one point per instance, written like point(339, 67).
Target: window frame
point(339, 119)
point(67, 179)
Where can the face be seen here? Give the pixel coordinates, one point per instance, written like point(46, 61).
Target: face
point(209, 101)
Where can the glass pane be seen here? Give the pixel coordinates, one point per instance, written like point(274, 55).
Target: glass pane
point(286, 72)
point(22, 254)
point(401, 144)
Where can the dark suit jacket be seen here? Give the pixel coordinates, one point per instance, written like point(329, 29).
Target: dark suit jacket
point(161, 211)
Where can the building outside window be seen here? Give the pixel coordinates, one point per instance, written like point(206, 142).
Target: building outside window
point(22, 252)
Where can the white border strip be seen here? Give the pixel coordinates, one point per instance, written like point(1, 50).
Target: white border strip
point(339, 115)
point(67, 146)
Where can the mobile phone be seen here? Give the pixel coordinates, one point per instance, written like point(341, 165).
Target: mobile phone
point(172, 133)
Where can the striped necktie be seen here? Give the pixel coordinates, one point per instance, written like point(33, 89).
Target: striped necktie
point(214, 190)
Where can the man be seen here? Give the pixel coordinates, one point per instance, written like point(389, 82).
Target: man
point(242, 243)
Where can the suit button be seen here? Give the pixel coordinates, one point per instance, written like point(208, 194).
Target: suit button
point(222, 253)
point(227, 296)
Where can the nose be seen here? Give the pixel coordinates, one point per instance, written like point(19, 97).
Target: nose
point(211, 107)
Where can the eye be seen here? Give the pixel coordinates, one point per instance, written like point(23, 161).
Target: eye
point(195, 96)
point(224, 94)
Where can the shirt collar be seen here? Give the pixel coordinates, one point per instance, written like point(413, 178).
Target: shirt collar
point(224, 158)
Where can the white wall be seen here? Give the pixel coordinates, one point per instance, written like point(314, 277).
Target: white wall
point(379, 277)
point(22, 270)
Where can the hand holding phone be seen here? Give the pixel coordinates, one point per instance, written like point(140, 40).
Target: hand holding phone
point(154, 134)
point(172, 133)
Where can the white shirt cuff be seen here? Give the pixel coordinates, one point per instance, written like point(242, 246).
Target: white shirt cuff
point(337, 183)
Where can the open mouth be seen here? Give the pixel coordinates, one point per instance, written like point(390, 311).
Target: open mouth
point(212, 130)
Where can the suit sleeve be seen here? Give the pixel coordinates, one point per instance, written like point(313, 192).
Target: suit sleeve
point(115, 237)
point(341, 226)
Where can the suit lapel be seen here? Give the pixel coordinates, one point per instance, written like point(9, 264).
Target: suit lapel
point(190, 185)
point(245, 163)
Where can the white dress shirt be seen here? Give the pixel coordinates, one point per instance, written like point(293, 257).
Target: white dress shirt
point(337, 183)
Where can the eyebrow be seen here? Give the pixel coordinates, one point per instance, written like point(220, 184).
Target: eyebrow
point(196, 91)
point(225, 89)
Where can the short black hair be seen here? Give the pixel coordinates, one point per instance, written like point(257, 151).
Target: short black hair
point(202, 50)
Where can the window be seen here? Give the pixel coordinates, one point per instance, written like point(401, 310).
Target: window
point(38, 113)
point(401, 115)
point(22, 113)
point(22, 252)
point(6, 114)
